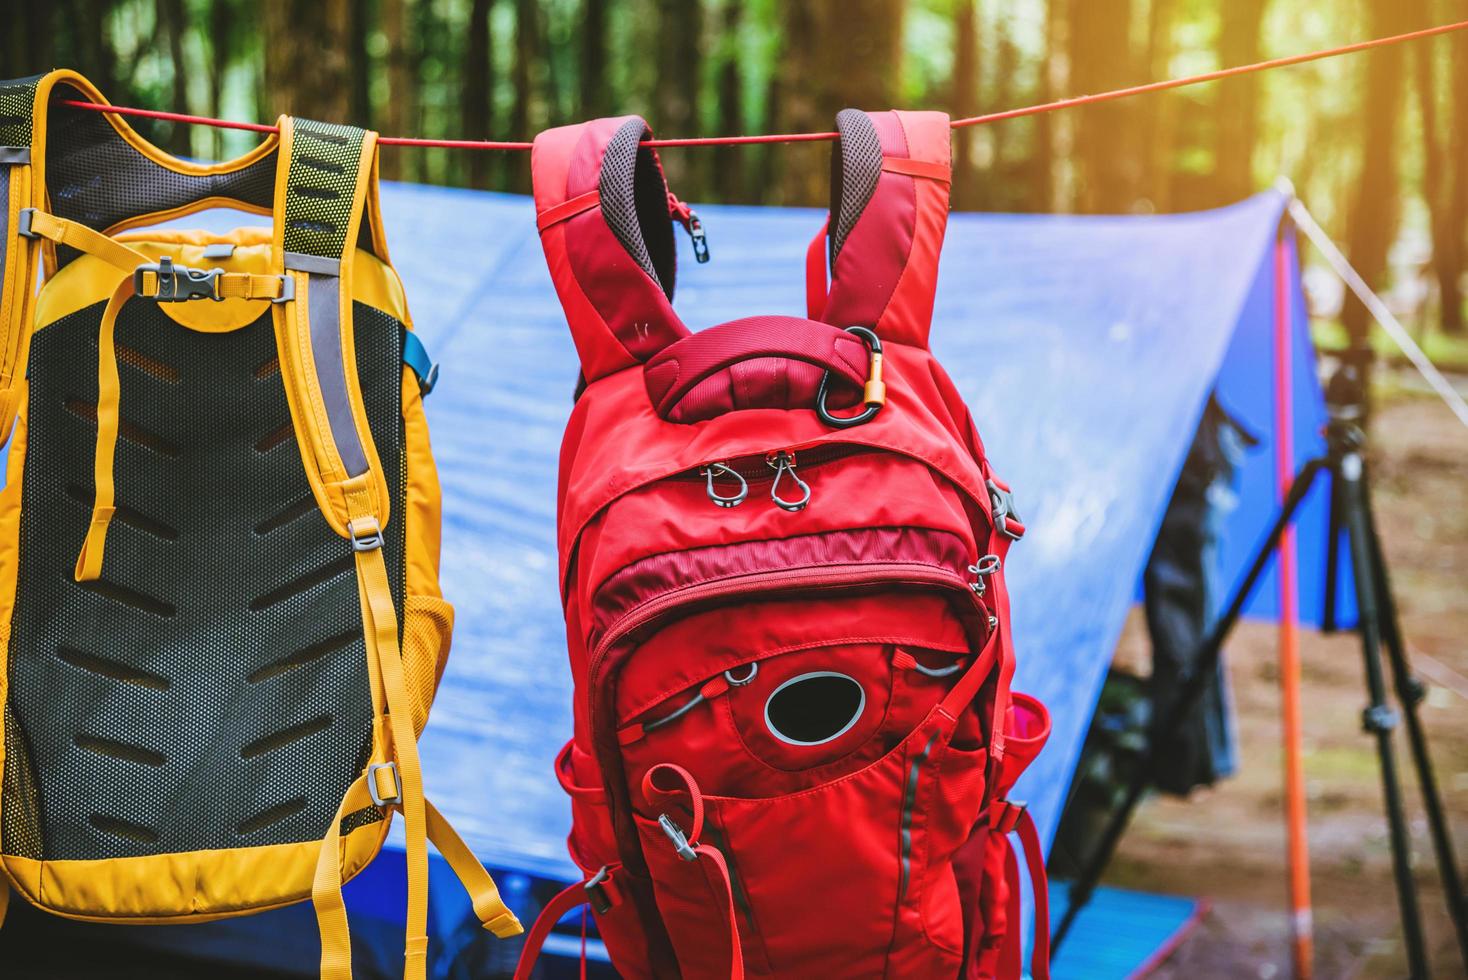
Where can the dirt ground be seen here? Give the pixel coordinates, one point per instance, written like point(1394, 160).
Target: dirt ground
point(1227, 843)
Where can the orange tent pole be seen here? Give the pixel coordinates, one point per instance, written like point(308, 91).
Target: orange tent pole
point(1301, 922)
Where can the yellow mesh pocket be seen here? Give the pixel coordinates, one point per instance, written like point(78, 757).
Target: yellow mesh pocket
point(428, 625)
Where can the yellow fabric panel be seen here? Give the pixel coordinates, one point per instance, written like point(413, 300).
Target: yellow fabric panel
point(212, 884)
point(428, 624)
point(89, 280)
point(424, 499)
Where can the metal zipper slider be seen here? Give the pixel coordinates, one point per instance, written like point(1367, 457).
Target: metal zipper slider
point(723, 469)
point(783, 463)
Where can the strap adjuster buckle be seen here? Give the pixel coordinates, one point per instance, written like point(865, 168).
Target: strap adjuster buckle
point(1004, 815)
point(599, 891)
point(397, 780)
point(679, 839)
point(366, 534)
point(23, 224)
point(1001, 502)
point(179, 283)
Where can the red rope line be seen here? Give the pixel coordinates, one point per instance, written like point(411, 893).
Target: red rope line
point(993, 117)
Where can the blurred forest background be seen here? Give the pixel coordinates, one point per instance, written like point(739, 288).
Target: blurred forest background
point(1377, 144)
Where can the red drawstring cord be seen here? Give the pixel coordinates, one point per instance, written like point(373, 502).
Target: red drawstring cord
point(1070, 103)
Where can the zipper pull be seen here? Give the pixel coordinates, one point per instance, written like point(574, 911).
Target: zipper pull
point(688, 218)
point(782, 463)
point(723, 469)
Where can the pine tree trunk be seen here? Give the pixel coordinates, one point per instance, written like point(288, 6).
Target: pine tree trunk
point(964, 101)
point(676, 89)
point(1236, 124)
point(1159, 116)
point(171, 25)
point(729, 161)
point(221, 50)
point(1042, 155)
point(595, 98)
point(1377, 207)
point(399, 112)
point(1455, 213)
point(477, 109)
point(838, 54)
point(305, 58)
point(1100, 59)
point(523, 78)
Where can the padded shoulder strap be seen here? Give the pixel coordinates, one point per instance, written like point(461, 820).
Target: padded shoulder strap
point(18, 147)
point(889, 210)
point(602, 207)
point(326, 182)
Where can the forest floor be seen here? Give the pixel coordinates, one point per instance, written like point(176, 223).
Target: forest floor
point(1227, 844)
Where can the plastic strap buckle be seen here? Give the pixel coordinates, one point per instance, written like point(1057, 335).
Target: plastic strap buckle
point(23, 223)
point(1005, 816)
point(287, 289)
point(599, 891)
point(366, 534)
point(1002, 507)
point(179, 283)
point(679, 839)
point(397, 781)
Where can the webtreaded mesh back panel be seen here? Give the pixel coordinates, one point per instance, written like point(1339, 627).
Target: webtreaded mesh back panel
point(95, 177)
point(318, 204)
point(856, 166)
point(210, 690)
point(634, 201)
point(17, 106)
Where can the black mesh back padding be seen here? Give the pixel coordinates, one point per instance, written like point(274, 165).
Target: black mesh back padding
point(856, 166)
point(634, 201)
point(17, 102)
point(210, 690)
point(97, 178)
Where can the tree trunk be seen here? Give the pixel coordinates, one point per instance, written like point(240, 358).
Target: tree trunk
point(359, 64)
point(399, 113)
point(838, 54)
point(1100, 59)
point(171, 24)
point(964, 101)
point(1377, 207)
point(1042, 156)
point(729, 161)
point(305, 58)
point(523, 78)
point(1455, 194)
point(676, 88)
point(1236, 121)
point(477, 108)
point(1159, 116)
point(221, 53)
point(595, 98)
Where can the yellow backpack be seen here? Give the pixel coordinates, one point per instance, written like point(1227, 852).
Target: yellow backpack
point(220, 620)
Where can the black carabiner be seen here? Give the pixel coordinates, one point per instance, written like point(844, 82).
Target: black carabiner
point(874, 394)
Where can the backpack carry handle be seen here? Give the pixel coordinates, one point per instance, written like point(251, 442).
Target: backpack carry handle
point(794, 345)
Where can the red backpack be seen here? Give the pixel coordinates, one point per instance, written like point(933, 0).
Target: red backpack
point(782, 557)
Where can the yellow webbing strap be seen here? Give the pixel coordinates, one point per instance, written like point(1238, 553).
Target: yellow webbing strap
point(489, 908)
point(228, 285)
point(89, 561)
point(379, 618)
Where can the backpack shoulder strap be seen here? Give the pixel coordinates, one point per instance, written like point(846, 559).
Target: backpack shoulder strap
point(603, 210)
point(22, 134)
point(890, 175)
point(326, 183)
point(326, 187)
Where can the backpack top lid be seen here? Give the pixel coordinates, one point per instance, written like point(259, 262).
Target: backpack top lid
point(606, 230)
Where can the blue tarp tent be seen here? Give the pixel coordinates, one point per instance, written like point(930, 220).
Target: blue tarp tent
point(1085, 345)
